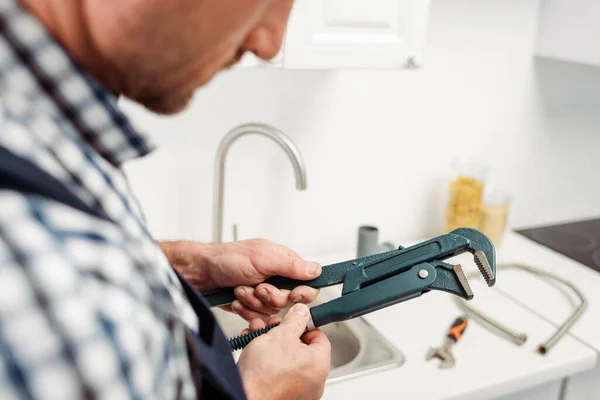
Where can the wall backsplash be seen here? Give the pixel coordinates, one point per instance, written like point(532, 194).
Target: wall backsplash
point(377, 144)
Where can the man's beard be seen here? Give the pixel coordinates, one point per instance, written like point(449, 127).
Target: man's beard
point(164, 104)
point(170, 102)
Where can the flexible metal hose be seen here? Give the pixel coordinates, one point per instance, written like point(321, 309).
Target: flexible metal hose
point(519, 338)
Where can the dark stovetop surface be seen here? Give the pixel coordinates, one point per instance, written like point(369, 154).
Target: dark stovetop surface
point(577, 240)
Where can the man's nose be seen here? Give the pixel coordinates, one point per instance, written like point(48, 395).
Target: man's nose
point(264, 42)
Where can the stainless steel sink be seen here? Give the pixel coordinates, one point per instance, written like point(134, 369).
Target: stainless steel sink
point(356, 347)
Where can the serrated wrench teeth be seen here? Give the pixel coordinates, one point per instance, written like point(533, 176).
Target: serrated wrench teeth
point(484, 267)
point(462, 279)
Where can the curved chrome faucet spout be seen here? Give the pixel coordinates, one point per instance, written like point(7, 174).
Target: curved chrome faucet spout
point(274, 134)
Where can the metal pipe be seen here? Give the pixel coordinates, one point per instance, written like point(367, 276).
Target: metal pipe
point(517, 338)
point(272, 133)
point(543, 348)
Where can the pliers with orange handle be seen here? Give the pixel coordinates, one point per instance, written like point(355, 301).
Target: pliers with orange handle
point(444, 352)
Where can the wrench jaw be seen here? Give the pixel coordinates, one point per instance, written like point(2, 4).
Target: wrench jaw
point(485, 268)
point(448, 363)
point(446, 358)
point(462, 281)
point(452, 279)
point(483, 252)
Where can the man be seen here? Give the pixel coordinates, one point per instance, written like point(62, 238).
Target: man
point(89, 306)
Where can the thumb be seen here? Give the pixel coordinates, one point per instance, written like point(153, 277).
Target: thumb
point(297, 268)
point(294, 322)
point(271, 259)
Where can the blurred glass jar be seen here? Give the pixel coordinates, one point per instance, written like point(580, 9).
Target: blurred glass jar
point(495, 214)
point(464, 208)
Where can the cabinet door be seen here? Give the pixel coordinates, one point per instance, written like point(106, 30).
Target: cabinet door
point(331, 34)
point(547, 391)
point(583, 386)
point(569, 30)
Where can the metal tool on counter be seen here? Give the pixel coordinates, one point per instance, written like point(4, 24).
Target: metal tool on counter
point(381, 280)
point(444, 352)
point(520, 338)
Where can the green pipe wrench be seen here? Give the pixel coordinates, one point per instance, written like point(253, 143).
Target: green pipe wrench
point(381, 280)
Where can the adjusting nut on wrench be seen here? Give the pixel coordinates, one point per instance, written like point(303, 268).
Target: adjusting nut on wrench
point(444, 352)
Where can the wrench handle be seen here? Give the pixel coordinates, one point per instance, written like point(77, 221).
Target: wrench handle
point(458, 328)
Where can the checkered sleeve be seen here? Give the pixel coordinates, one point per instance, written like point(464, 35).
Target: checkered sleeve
point(76, 318)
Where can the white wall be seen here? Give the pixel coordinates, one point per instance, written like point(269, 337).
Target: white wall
point(378, 144)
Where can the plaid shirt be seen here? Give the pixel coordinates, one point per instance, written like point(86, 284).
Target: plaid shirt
point(87, 308)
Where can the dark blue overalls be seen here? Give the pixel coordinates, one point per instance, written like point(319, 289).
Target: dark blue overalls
point(213, 368)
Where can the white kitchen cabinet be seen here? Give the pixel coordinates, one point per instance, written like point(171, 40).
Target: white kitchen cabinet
point(355, 33)
point(547, 391)
point(583, 386)
point(569, 30)
point(352, 34)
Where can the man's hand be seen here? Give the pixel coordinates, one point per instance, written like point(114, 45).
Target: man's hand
point(287, 363)
point(245, 264)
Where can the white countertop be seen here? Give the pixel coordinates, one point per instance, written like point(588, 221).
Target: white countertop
point(487, 366)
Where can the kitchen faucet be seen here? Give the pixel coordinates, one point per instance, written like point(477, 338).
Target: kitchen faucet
point(247, 129)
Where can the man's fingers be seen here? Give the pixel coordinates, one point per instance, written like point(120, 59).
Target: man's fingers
point(257, 324)
point(272, 259)
point(316, 337)
point(248, 297)
point(294, 322)
point(272, 296)
point(226, 308)
point(247, 313)
point(319, 341)
point(320, 348)
point(297, 268)
point(280, 299)
point(303, 294)
point(267, 299)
